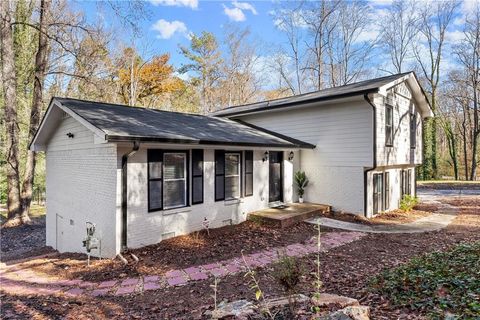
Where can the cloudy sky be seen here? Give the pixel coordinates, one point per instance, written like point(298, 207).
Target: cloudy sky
point(170, 22)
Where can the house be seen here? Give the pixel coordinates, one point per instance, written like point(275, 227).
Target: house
point(144, 175)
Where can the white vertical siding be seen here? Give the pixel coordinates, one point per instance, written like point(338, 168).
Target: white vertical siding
point(81, 186)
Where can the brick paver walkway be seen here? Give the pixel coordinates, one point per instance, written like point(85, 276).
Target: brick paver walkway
point(16, 280)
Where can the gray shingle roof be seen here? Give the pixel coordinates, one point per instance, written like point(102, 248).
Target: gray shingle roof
point(362, 87)
point(124, 123)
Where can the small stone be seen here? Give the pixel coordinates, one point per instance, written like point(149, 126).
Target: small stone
point(151, 286)
point(349, 313)
point(192, 270)
point(125, 290)
point(174, 274)
point(129, 282)
point(74, 292)
point(326, 300)
point(151, 278)
point(239, 309)
point(178, 281)
point(219, 272)
point(107, 284)
point(198, 276)
point(99, 292)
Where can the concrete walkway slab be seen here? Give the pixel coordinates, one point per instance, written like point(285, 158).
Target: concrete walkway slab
point(434, 222)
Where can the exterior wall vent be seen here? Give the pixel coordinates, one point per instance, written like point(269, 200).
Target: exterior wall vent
point(168, 235)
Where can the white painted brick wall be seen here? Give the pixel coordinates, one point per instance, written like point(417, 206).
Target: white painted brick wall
point(81, 186)
point(146, 228)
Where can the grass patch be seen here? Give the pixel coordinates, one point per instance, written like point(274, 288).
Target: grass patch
point(436, 283)
point(35, 211)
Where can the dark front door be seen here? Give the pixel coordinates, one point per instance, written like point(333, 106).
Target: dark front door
point(275, 176)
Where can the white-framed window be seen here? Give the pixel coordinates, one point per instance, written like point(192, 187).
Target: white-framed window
point(388, 125)
point(174, 180)
point(167, 179)
point(232, 175)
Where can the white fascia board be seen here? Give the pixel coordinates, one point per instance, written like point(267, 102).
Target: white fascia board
point(417, 93)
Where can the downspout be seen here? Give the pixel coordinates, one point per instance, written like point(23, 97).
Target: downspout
point(365, 173)
point(136, 146)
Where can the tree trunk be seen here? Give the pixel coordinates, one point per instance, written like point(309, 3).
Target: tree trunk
point(37, 102)
point(11, 121)
point(476, 133)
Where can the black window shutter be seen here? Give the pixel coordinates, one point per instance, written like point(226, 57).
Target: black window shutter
point(248, 173)
point(155, 179)
point(197, 176)
point(219, 175)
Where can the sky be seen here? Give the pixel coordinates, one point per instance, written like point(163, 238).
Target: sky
point(170, 22)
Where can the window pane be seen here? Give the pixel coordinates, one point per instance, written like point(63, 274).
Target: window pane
point(155, 194)
point(155, 170)
point(174, 193)
point(174, 165)
point(219, 162)
point(232, 187)
point(248, 184)
point(219, 188)
point(231, 164)
point(197, 186)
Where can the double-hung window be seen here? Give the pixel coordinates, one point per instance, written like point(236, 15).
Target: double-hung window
point(413, 130)
point(232, 176)
point(228, 174)
point(167, 179)
point(389, 125)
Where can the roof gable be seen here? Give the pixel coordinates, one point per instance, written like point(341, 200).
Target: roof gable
point(116, 123)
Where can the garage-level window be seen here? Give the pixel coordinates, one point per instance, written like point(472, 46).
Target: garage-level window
point(167, 179)
point(387, 190)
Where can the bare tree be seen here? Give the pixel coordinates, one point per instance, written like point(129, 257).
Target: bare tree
point(348, 53)
point(289, 63)
point(434, 20)
point(398, 32)
point(468, 54)
point(241, 83)
point(11, 121)
point(321, 22)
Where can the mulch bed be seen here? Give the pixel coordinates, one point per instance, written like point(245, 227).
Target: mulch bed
point(179, 252)
point(23, 241)
point(346, 270)
point(387, 218)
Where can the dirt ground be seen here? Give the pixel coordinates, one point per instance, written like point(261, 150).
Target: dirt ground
point(346, 270)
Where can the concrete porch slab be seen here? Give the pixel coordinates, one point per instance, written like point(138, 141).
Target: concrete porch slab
point(288, 215)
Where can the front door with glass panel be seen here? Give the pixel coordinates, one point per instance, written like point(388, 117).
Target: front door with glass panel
point(275, 176)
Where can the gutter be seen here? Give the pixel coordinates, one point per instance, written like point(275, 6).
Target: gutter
point(136, 146)
point(365, 173)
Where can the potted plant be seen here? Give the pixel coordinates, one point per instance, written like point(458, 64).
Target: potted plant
point(302, 182)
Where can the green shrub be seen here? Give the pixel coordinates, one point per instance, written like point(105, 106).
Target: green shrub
point(408, 202)
point(287, 271)
point(436, 283)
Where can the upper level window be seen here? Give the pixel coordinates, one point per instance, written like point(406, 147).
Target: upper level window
point(388, 125)
point(413, 130)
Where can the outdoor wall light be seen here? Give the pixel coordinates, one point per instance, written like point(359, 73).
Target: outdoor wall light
point(70, 135)
point(265, 156)
point(290, 156)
